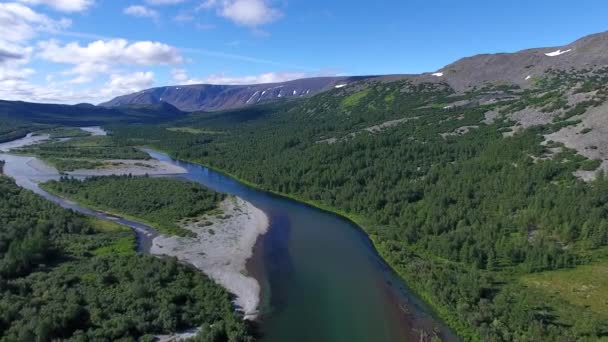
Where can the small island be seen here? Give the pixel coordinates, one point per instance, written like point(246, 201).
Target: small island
point(210, 231)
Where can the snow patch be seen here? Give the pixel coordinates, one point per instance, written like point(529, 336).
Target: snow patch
point(557, 53)
point(438, 74)
point(252, 96)
point(264, 92)
point(341, 85)
point(295, 92)
point(528, 77)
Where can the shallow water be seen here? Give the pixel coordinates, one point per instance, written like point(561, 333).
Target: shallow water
point(322, 279)
point(29, 139)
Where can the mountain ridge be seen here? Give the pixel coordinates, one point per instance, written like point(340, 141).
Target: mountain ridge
point(521, 68)
point(214, 97)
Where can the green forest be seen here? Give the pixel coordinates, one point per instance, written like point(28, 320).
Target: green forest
point(64, 276)
point(464, 218)
point(162, 202)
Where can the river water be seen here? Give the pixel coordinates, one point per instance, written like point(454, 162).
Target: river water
point(321, 278)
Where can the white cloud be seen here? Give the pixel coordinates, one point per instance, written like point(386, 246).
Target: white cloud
point(140, 11)
point(181, 77)
point(19, 26)
point(64, 92)
point(129, 83)
point(63, 5)
point(114, 51)
point(250, 13)
point(86, 72)
point(19, 23)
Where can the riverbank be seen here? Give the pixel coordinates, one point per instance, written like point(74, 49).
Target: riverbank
point(223, 244)
point(414, 286)
point(120, 167)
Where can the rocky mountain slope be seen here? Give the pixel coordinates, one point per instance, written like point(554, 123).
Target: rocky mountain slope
point(523, 68)
point(209, 97)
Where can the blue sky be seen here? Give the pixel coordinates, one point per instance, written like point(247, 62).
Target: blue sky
point(91, 50)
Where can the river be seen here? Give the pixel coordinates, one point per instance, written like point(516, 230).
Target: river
point(321, 278)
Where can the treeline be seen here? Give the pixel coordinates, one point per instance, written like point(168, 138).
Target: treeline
point(161, 201)
point(461, 216)
point(12, 129)
point(58, 281)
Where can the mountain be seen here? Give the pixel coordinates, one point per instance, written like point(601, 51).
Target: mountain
point(524, 67)
point(209, 97)
point(521, 68)
point(85, 114)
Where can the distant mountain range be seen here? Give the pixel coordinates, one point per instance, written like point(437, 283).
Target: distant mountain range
point(521, 68)
point(86, 114)
point(210, 97)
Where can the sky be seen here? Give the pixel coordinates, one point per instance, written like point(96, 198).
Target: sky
point(72, 51)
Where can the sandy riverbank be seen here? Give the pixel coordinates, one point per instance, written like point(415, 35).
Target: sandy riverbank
point(223, 244)
point(133, 167)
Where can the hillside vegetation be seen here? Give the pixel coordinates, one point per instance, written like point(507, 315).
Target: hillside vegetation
point(461, 193)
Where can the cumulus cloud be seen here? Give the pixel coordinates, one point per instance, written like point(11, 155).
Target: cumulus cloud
point(64, 92)
point(180, 76)
point(114, 51)
point(250, 13)
point(19, 23)
point(129, 83)
point(19, 26)
point(103, 56)
point(63, 5)
point(140, 11)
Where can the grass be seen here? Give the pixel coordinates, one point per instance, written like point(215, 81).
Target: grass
point(390, 98)
point(120, 247)
point(103, 226)
point(120, 239)
point(67, 132)
point(354, 99)
point(67, 165)
point(585, 286)
point(192, 130)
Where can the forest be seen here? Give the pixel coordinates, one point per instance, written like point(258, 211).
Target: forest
point(462, 215)
point(67, 277)
point(162, 202)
